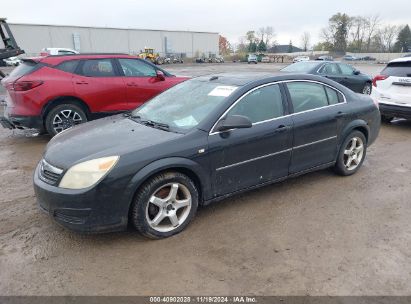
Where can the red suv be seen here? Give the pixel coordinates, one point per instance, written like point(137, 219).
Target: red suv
point(57, 92)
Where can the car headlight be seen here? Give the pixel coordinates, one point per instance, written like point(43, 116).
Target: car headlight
point(88, 173)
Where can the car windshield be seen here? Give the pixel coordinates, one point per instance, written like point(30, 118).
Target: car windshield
point(300, 67)
point(185, 105)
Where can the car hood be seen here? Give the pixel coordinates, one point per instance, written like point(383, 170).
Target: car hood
point(115, 135)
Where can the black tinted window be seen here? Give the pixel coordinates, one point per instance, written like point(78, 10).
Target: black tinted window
point(61, 52)
point(307, 96)
point(398, 69)
point(346, 69)
point(262, 104)
point(136, 68)
point(333, 96)
point(330, 69)
point(24, 68)
point(98, 68)
point(68, 66)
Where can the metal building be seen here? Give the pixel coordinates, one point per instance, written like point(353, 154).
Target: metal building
point(34, 37)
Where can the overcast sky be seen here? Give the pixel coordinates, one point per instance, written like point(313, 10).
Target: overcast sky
point(231, 18)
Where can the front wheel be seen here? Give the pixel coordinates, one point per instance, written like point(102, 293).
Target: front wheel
point(63, 117)
point(352, 154)
point(164, 205)
point(367, 89)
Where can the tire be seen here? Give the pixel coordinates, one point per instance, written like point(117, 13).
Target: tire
point(386, 119)
point(367, 89)
point(63, 117)
point(154, 212)
point(343, 165)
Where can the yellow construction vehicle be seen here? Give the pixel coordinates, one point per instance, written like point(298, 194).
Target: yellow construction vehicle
point(149, 54)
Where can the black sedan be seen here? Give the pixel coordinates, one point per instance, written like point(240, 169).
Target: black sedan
point(342, 73)
point(198, 142)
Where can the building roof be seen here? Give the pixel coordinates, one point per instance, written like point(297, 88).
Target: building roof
point(112, 28)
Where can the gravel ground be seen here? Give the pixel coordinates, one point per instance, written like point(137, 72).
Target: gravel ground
point(318, 234)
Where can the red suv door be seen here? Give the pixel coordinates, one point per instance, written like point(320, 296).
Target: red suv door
point(142, 82)
point(98, 84)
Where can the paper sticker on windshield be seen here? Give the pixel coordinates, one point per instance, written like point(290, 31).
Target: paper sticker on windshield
point(222, 91)
point(186, 122)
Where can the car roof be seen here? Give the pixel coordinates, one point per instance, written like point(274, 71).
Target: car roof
point(242, 79)
point(237, 79)
point(56, 59)
point(402, 59)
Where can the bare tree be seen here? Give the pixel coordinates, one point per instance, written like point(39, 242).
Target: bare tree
point(305, 40)
point(358, 33)
point(261, 33)
point(385, 37)
point(269, 34)
point(372, 24)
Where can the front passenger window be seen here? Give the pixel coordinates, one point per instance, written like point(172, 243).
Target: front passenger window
point(307, 96)
point(260, 105)
point(136, 68)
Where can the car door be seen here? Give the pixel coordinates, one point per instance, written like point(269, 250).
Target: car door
point(331, 71)
point(349, 79)
point(141, 81)
point(98, 84)
point(243, 158)
point(316, 120)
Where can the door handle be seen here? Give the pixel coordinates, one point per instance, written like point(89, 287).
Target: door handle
point(281, 129)
point(340, 114)
point(81, 82)
point(132, 84)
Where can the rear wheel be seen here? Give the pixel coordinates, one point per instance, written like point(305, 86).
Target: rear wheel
point(352, 154)
point(63, 117)
point(164, 205)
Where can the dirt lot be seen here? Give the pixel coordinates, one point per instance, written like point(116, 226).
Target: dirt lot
point(319, 234)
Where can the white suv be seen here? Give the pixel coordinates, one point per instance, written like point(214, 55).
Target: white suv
point(392, 89)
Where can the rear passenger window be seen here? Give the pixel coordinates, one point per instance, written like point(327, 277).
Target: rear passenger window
point(307, 96)
point(98, 68)
point(68, 66)
point(260, 105)
point(333, 97)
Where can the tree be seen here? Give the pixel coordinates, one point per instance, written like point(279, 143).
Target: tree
point(305, 41)
point(262, 47)
point(403, 43)
point(323, 46)
point(339, 26)
point(384, 38)
point(269, 34)
point(290, 47)
point(223, 45)
point(371, 26)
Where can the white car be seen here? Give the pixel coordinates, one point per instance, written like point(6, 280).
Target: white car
point(57, 51)
point(301, 58)
point(12, 61)
point(392, 89)
point(252, 58)
point(265, 59)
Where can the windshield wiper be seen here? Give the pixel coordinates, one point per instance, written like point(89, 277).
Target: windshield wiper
point(155, 124)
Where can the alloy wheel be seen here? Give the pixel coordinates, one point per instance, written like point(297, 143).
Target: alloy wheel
point(66, 119)
point(168, 207)
point(353, 153)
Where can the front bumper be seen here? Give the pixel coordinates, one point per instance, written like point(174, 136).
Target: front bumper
point(391, 110)
point(95, 210)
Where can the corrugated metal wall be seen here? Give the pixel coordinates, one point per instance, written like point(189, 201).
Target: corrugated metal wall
point(33, 38)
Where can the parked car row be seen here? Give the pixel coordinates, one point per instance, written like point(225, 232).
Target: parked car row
point(354, 58)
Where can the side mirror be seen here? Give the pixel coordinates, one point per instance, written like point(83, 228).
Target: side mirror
point(160, 75)
point(357, 72)
point(234, 122)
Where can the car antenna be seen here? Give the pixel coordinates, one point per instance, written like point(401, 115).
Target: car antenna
point(213, 78)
